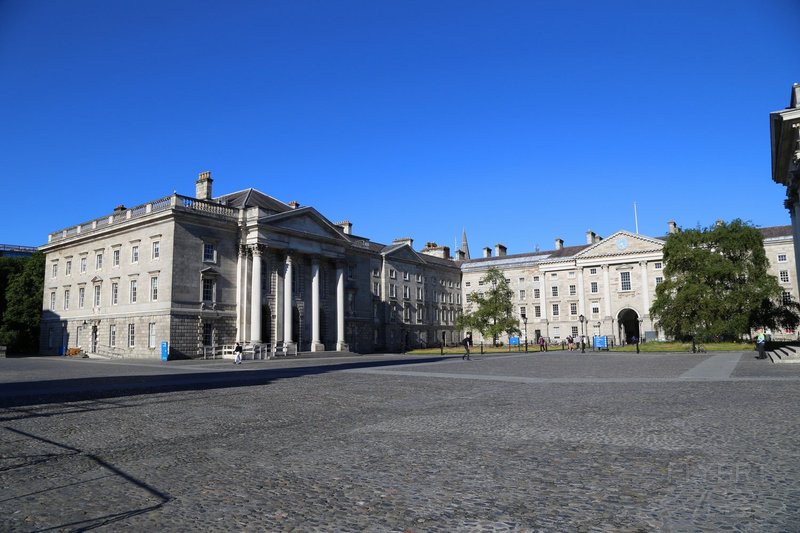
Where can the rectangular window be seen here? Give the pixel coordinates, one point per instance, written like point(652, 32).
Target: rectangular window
point(522, 312)
point(135, 254)
point(420, 314)
point(553, 275)
point(573, 290)
point(81, 297)
point(68, 268)
point(66, 299)
point(83, 265)
point(392, 273)
point(209, 253)
point(555, 310)
point(407, 313)
point(406, 276)
point(115, 258)
point(376, 288)
point(535, 278)
point(133, 291)
point(53, 300)
point(208, 290)
point(406, 292)
point(537, 311)
point(787, 297)
point(469, 284)
point(571, 275)
point(114, 293)
point(156, 249)
point(659, 280)
point(112, 335)
point(154, 289)
point(625, 281)
point(537, 293)
point(151, 335)
point(555, 291)
point(131, 335)
point(54, 271)
point(98, 261)
point(376, 272)
point(351, 271)
point(781, 258)
point(784, 275)
point(522, 294)
point(97, 295)
point(419, 293)
point(592, 271)
point(573, 309)
point(657, 266)
point(593, 287)
point(574, 331)
point(392, 290)
point(595, 310)
point(208, 334)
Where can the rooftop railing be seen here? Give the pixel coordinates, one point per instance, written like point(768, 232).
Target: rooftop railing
point(174, 202)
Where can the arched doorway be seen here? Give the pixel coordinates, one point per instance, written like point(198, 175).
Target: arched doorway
point(628, 324)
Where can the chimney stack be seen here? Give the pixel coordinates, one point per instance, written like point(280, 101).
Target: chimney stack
point(487, 252)
point(672, 227)
point(347, 226)
point(406, 240)
point(294, 205)
point(590, 235)
point(202, 187)
point(500, 250)
point(559, 243)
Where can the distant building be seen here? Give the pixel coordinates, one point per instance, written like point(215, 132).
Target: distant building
point(204, 272)
point(610, 283)
point(12, 250)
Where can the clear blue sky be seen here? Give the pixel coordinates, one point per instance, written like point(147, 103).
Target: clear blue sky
point(520, 121)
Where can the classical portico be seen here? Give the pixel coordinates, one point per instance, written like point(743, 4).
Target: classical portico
point(286, 271)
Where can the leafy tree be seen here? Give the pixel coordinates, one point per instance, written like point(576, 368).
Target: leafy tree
point(494, 314)
point(23, 299)
point(716, 284)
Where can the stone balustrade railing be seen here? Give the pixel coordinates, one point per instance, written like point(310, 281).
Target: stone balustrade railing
point(174, 202)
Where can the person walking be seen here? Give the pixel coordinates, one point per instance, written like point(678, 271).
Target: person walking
point(465, 342)
point(541, 343)
point(237, 354)
point(761, 341)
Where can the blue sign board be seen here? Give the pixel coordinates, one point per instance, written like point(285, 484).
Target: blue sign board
point(164, 350)
point(600, 343)
point(513, 341)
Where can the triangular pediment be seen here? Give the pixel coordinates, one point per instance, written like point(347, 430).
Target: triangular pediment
point(307, 221)
point(622, 243)
point(402, 252)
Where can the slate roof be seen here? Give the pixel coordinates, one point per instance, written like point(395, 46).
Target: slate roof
point(253, 198)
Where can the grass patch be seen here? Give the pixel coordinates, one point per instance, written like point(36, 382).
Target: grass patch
point(646, 347)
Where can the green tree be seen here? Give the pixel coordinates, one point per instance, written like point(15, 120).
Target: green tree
point(495, 312)
point(716, 284)
point(23, 299)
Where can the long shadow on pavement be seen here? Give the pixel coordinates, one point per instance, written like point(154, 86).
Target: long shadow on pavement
point(70, 390)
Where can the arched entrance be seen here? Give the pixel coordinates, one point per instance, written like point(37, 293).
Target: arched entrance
point(628, 326)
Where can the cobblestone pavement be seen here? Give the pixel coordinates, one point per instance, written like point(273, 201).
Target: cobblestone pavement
point(552, 442)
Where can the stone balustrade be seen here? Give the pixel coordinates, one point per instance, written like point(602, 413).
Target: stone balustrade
point(173, 202)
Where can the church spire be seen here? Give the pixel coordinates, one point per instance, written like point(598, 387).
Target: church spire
point(464, 245)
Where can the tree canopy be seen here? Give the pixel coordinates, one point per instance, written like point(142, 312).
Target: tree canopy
point(716, 284)
point(23, 285)
point(495, 311)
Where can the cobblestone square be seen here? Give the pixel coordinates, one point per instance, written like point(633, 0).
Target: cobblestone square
point(519, 442)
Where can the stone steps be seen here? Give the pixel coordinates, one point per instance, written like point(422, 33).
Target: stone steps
point(785, 354)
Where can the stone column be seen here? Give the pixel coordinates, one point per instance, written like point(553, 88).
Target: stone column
point(645, 294)
point(241, 265)
point(607, 291)
point(287, 303)
point(255, 296)
point(341, 345)
point(581, 296)
point(316, 345)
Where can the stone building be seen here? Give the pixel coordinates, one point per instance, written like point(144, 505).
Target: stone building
point(202, 273)
point(785, 142)
point(610, 283)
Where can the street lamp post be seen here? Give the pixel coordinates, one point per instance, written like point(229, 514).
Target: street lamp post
point(525, 330)
point(639, 336)
point(583, 342)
